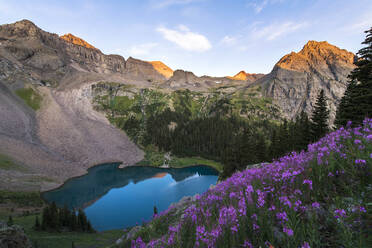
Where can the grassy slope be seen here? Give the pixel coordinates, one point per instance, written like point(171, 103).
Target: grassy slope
point(65, 239)
point(321, 198)
point(30, 97)
point(7, 163)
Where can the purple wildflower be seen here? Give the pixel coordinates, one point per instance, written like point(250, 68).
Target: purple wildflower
point(247, 244)
point(288, 231)
point(308, 181)
point(282, 216)
point(305, 245)
point(340, 213)
point(138, 243)
point(360, 161)
point(315, 205)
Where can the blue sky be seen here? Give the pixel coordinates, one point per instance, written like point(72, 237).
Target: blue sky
point(213, 37)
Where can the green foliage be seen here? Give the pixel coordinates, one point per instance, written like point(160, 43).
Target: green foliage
point(30, 97)
point(356, 104)
point(319, 118)
point(177, 162)
point(234, 130)
point(6, 163)
point(57, 219)
point(32, 199)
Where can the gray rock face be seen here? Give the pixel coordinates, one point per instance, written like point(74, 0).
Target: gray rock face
point(13, 237)
point(47, 52)
point(297, 78)
point(142, 70)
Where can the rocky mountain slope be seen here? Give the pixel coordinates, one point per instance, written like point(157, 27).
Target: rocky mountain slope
point(297, 78)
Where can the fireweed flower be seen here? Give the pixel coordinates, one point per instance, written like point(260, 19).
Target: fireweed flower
point(261, 198)
point(305, 245)
point(309, 182)
point(138, 243)
point(298, 192)
point(357, 141)
point(288, 231)
point(282, 216)
point(247, 244)
point(315, 205)
point(340, 213)
point(255, 227)
point(360, 161)
point(359, 208)
point(272, 208)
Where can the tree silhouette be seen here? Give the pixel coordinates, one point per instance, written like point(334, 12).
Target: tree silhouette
point(356, 104)
point(319, 118)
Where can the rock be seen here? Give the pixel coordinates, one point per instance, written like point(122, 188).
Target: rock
point(13, 237)
point(162, 68)
point(77, 41)
point(297, 78)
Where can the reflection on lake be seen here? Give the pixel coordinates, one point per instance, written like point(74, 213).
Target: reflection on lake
point(115, 198)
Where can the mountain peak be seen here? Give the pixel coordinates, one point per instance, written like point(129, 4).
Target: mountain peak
point(77, 41)
point(316, 53)
point(162, 68)
point(242, 75)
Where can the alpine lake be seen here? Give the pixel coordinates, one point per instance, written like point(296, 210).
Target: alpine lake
point(115, 198)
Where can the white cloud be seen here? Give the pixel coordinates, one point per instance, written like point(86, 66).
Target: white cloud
point(259, 5)
point(186, 39)
point(142, 49)
point(275, 30)
point(228, 40)
point(166, 3)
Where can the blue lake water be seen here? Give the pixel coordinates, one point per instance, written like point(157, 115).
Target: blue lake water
point(114, 198)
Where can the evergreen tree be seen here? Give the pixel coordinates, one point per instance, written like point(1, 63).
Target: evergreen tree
point(37, 223)
point(319, 118)
point(54, 217)
point(356, 103)
point(155, 210)
point(73, 221)
point(10, 221)
point(73, 245)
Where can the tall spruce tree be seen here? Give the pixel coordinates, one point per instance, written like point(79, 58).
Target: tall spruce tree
point(356, 104)
point(319, 118)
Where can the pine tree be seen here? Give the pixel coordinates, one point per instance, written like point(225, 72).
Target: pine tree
point(37, 223)
point(319, 118)
point(155, 210)
point(10, 221)
point(356, 104)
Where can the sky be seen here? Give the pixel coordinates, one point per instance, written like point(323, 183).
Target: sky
point(207, 37)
